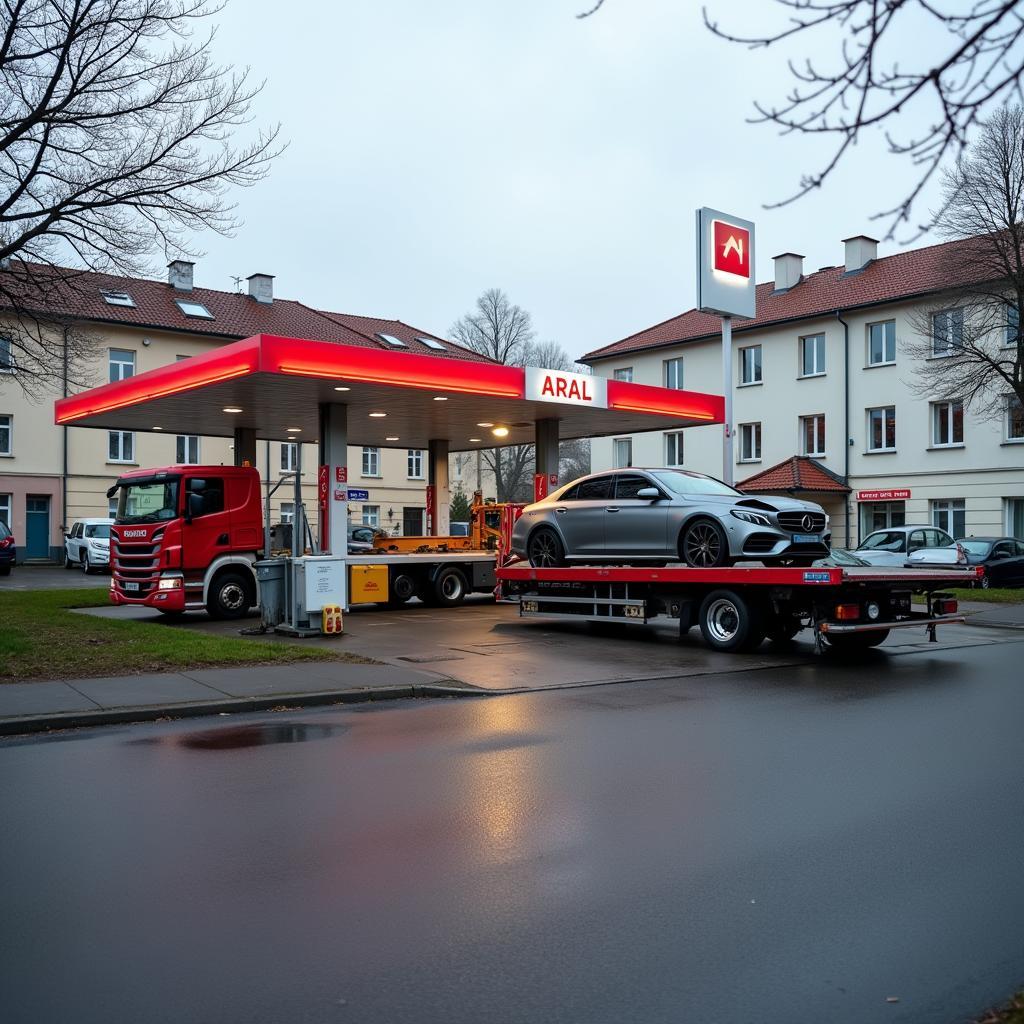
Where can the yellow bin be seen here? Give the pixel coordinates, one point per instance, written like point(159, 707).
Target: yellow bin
point(368, 584)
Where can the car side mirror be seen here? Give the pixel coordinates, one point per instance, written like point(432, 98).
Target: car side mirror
point(648, 492)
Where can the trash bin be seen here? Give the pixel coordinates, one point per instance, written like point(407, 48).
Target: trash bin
point(271, 574)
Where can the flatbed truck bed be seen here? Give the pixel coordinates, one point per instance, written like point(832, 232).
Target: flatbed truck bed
point(736, 608)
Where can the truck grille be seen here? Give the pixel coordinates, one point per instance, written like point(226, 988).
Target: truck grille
point(794, 521)
point(136, 561)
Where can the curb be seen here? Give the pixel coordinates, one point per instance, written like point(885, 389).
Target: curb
point(239, 705)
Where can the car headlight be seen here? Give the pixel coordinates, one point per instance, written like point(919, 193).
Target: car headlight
point(751, 517)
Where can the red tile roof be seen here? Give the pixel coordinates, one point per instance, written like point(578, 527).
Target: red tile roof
point(800, 473)
point(235, 314)
point(888, 279)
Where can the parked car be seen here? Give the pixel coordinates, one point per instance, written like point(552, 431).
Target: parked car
point(87, 545)
point(360, 539)
point(1002, 557)
point(894, 545)
point(840, 557)
point(8, 551)
point(650, 516)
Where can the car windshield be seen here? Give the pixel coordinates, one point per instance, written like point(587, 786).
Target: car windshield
point(977, 547)
point(678, 481)
point(101, 531)
point(884, 540)
point(149, 501)
point(843, 557)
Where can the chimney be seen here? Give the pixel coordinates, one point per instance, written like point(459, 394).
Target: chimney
point(789, 270)
point(179, 275)
point(261, 287)
point(860, 251)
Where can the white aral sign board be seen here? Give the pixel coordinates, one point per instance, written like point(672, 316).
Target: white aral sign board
point(566, 388)
point(725, 264)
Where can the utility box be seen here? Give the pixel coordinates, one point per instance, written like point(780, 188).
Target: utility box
point(319, 581)
point(271, 575)
point(369, 584)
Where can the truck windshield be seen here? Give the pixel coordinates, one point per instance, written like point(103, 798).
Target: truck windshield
point(148, 501)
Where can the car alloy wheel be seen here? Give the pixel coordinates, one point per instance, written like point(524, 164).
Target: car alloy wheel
point(546, 550)
point(86, 567)
point(703, 545)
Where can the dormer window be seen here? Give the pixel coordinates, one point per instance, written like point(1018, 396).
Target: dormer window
point(196, 309)
point(391, 340)
point(117, 298)
point(432, 343)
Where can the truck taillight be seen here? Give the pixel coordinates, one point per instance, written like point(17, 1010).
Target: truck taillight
point(845, 612)
point(946, 606)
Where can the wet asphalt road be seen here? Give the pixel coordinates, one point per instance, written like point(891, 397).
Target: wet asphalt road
point(785, 845)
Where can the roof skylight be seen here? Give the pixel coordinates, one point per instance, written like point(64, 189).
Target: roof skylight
point(432, 343)
point(190, 308)
point(117, 298)
point(392, 340)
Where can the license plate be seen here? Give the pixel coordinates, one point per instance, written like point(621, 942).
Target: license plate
point(805, 538)
point(131, 586)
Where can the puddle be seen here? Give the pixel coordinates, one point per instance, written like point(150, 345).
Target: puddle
point(263, 735)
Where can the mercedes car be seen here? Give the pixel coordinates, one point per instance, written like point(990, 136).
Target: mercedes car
point(657, 516)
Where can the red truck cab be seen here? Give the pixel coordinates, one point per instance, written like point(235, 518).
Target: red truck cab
point(186, 537)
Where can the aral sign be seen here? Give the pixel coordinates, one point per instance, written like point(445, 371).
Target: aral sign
point(725, 264)
point(566, 388)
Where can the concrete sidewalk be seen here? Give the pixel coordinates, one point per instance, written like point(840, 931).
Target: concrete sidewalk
point(32, 707)
point(984, 613)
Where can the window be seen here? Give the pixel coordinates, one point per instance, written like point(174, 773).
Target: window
point(673, 373)
point(196, 309)
point(750, 365)
point(6, 359)
point(812, 355)
point(882, 429)
point(432, 343)
point(289, 456)
point(674, 448)
point(394, 342)
point(882, 343)
point(117, 298)
point(371, 513)
point(947, 331)
point(597, 489)
point(371, 463)
point(287, 511)
point(5, 509)
point(622, 452)
point(211, 496)
point(122, 364)
point(623, 373)
point(750, 442)
point(948, 515)
point(1014, 517)
point(187, 450)
point(1014, 420)
point(414, 464)
point(120, 446)
point(627, 485)
point(6, 434)
point(1012, 324)
point(947, 424)
point(812, 435)
point(112, 507)
point(882, 515)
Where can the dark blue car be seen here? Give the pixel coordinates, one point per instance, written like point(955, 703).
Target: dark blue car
point(6, 549)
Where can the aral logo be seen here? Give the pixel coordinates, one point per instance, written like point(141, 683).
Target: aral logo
point(133, 533)
point(732, 249)
point(559, 387)
point(569, 388)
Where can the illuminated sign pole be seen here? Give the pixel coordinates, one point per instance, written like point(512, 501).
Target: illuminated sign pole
point(725, 285)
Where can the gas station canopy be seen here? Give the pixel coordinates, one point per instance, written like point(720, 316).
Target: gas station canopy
point(276, 387)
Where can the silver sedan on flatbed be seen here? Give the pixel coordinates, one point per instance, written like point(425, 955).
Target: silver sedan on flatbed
point(656, 516)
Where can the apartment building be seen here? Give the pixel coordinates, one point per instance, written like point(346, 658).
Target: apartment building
point(50, 475)
point(824, 401)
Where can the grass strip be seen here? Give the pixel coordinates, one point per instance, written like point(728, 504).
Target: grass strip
point(41, 639)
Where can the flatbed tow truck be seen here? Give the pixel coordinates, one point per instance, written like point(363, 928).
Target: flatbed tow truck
point(848, 608)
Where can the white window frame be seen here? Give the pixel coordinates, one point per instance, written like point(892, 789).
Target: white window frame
point(954, 318)
point(190, 441)
point(112, 507)
point(371, 515)
point(114, 298)
point(943, 513)
point(1012, 327)
point(414, 464)
point(5, 510)
point(116, 365)
point(6, 355)
point(813, 420)
point(672, 373)
point(370, 462)
point(616, 449)
point(819, 367)
point(1011, 438)
point(884, 409)
point(623, 373)
point(750, 442)
point(943, 412)
point(286, 513)
point(674, 448)
point(289, 456)
point(194, 309)
point(121, 435)
point(1008, 512)
point(884, 361)
point(8, 429)
point(756, 366)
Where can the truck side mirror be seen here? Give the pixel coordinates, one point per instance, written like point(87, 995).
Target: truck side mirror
point(193, 506)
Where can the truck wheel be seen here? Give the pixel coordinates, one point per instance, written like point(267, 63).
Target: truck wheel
point(729, 623)
point(230, 596)
point(449, 588)
point(850, 643)
point(544, 549)
point(403, 587)
point(703, 545)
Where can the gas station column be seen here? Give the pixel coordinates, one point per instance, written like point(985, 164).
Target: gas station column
point(245, 446)
point(438, 493)
point(332, 479)
point(546, 448)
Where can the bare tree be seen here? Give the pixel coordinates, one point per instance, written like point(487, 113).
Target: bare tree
point(973, 328)
point(116, 131)
point(964, 59)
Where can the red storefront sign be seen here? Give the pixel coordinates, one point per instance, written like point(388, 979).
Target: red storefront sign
point(732, 249)
point(894, 495)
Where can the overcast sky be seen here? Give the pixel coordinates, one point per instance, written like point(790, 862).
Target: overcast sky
point(441, 148)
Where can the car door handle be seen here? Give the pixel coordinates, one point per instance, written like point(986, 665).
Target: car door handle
point(561, 511)
point(611, 508)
